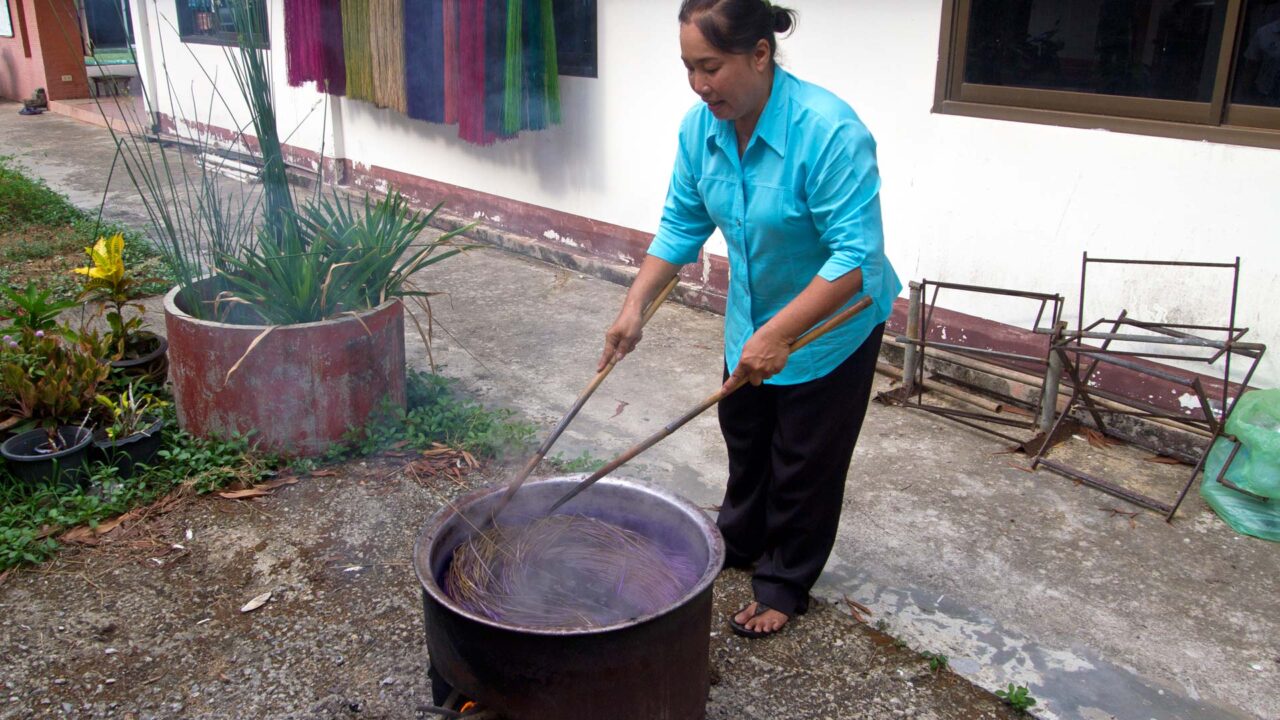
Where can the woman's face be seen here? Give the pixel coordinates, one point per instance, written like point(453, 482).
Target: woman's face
point(734, 86)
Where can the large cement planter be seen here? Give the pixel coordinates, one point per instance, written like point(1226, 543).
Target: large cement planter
point(300, 389)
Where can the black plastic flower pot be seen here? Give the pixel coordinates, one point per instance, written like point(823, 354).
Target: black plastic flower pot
point(31, 459)
point(127, 453)
point(152, 365)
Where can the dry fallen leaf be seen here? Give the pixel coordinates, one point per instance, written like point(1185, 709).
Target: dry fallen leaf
point(242, 494)
point(258, 490)
point(256, 603)
point(324, 473)
point(622, 405)
point(1098, 440)
point(1163, 460)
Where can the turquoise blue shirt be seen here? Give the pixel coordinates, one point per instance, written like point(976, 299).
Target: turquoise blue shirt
point(804, 200)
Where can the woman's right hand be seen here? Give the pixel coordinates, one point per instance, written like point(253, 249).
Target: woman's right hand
point(622, 337)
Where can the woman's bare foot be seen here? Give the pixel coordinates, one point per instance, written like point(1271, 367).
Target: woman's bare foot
point(768, 622)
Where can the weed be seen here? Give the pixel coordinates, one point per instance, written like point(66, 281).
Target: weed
point(1017, 697)
point(937, 661)
point(435, 413)
point(882, 625)
point(31, 515)
point(584, 463)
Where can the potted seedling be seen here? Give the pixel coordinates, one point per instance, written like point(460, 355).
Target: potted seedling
point(133, 351)
point(31, 311)
point(48, 381)
point(131, 434)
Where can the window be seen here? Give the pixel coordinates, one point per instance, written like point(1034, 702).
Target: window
point(576, 37)
point(6, 20)
point(1203, 69)
point(213, 21)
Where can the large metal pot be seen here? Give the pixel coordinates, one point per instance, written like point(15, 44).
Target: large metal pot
point(651, 668)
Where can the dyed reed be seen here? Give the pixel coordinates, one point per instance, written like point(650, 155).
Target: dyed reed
point(386, 44)
point(356, 49)
point(334, 66)
point(472, 16)
point(449, 19)
point(424, 59)
point(565, 571)
point(304, 49)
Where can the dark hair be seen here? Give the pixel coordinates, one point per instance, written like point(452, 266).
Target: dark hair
point(736, 26)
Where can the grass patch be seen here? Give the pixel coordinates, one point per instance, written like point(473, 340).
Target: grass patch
point(31, 516)
point(43, 237)
point(436, 412)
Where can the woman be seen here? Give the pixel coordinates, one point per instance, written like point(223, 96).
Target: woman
point(788, 174)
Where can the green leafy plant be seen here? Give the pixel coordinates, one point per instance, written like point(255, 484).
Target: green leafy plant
point(435, 413)
point(35, 311)
point(329, 259)
point(108, 282)
point(130, 412)
point(1017, 697)
point(586, 462)
point(937, 661)
point(47, 380)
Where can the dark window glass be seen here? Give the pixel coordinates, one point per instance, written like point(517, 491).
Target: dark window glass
point(1257, 78)
point(1164, 49)
point(576, 37)
point(109, 22)
point(212, 20)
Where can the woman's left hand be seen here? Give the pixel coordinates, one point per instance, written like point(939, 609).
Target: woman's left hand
point(764, 356)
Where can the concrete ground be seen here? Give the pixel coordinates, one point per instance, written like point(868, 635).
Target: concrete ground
point(1018, 577)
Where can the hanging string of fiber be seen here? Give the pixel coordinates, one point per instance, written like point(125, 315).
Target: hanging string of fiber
point(386, 41)
point(304, 53)
point(333, 77)
point(471, 65)
point(496, 21)
point(451, 66)
point(424, 53)
point(356, 50)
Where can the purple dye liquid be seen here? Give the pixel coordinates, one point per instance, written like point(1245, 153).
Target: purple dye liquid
point(566, 572)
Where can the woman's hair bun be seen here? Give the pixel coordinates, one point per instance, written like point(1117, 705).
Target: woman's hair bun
point(783, 18)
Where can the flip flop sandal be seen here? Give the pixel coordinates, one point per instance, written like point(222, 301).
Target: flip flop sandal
point(743, 631)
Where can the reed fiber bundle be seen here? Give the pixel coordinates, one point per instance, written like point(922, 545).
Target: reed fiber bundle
point(304, 49)
point(356, 49)
point(424, 53)
point(449, 17)
point(472, 15)
point(497, 19)
point(334, 73)
point(565, 571)
point(386, 44)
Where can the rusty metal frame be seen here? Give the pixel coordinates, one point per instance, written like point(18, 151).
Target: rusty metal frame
point(916, 343)
point(1080, 361)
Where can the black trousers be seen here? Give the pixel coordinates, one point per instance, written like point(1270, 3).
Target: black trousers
point(789, 451)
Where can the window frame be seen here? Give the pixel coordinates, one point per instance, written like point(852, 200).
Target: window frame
point(186, 18)
point(1218, 120)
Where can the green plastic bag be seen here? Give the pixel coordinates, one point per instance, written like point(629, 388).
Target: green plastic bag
point(1255, 422)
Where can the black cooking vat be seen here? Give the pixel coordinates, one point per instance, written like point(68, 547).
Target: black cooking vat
point(654, 667)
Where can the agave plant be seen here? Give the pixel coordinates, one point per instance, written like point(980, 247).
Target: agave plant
point(330, 259)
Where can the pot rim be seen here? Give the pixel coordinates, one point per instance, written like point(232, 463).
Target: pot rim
point(171, 308)
point(152, 430)
point(422, 550)
point(84, 435)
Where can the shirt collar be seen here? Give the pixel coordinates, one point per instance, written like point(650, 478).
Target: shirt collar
point(773, 123)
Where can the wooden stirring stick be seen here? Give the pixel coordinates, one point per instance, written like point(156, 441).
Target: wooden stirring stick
point(701, 407)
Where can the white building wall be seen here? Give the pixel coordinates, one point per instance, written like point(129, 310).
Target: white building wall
point(965, 200)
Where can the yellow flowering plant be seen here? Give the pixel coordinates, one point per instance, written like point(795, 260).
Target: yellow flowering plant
point(107, 282)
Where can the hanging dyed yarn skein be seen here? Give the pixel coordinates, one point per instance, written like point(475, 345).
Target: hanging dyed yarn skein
point(356, 49)
point(386, 43)
point(424, 54)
